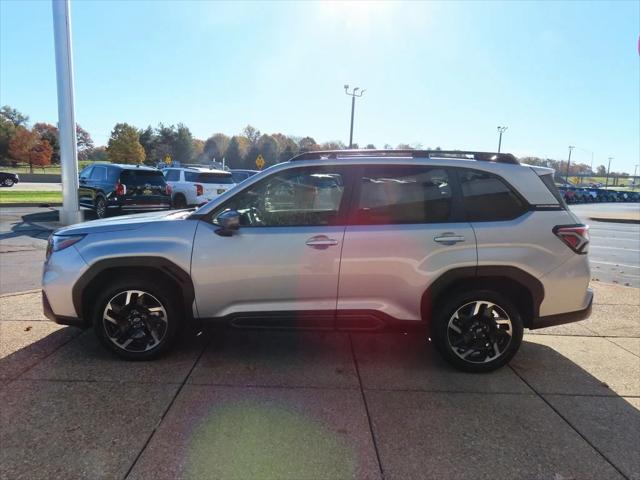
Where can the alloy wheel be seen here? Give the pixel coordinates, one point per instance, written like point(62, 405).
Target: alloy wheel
point(101, 208)
point(479, 331)
point(135, 321)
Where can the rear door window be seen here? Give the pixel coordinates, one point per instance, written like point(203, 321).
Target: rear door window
point(403, 195)
point(99, 173)
point(486, 197)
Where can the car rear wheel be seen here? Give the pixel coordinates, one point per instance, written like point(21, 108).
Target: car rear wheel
point(101, 207)
point(8, 182)
point(478, 331)
point(179, 201)
point(137, 319)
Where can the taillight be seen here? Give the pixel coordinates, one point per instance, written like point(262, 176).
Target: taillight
point(121, 189)
point(167, 189)
point(576, 237)
point(199, 190)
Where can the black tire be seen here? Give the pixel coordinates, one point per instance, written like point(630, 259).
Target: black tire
point(179, 201)
point(153, 289)
point(442, 332)
point(101, 207)
point(8, 182)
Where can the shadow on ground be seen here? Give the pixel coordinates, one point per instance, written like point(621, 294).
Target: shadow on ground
point(244, 404)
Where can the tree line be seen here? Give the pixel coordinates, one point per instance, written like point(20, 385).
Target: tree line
point(39, 146)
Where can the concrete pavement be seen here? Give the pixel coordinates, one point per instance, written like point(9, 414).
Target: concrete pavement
point(316, 405)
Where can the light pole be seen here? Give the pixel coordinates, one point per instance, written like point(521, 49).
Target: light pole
point(571, 147)
point(501, 130)
point(606, 185)
point(354, 93)
point(70, 212)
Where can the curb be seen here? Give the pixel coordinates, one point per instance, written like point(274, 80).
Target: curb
point(615, 220)
point(32, 204)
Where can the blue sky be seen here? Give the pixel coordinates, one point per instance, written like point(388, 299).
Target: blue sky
point(441, 74)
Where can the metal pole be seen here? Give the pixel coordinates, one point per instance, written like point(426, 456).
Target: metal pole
point(353, 107)
point(568, 163)
point(70, 212)
point(500, 131)
point(608, 171)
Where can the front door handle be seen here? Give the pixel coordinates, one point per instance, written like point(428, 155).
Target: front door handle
point(321, 241)
point(449, 238)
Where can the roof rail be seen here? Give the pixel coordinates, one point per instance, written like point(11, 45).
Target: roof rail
point(460, 154)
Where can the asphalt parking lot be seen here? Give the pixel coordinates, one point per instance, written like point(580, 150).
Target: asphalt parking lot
point(312, 405)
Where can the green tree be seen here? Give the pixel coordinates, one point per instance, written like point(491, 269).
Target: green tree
point(371, 146)
point(124, 145)
point(233, 155)
point(601, 171)
point(182, 145)
point(14, 116)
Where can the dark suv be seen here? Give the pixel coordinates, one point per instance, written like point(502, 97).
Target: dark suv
point(105, 186)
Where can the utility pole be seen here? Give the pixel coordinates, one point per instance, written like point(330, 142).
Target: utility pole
point(70, 212)
point(354, 93)
point(571, 147)
point(606, 185)
point(501, 130)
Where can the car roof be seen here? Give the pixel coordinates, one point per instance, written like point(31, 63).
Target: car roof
point(200, 169)
point(124, 166)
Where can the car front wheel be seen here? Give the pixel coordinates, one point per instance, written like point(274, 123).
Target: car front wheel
point(8, 182)
point(137, 319)
point(478, 331)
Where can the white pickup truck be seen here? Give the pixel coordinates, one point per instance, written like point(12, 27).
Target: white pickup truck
point(195, 186)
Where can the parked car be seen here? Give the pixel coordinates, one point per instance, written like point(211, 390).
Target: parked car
point(240, 175)
point(470, 247)
point(568, 195)
point(108, 187)
point(195, 186)
point(8, 179)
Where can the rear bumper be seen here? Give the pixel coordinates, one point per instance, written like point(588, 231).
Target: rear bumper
point(562, 318)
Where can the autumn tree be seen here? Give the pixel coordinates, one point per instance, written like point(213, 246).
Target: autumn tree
point(26, 146)
point(124, 145)
point(215, 147)
point(10, 120)
point(252, 133)
point(233, 155)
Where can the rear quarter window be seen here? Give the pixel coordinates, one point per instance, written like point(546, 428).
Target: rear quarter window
point(209, 177)
point(488, 198)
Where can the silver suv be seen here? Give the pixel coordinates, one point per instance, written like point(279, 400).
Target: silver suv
point(470, 247)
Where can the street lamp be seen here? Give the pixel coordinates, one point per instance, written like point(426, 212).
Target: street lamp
point(501, 130)
point(571, 147)
point(354, 93)
point(606, 185)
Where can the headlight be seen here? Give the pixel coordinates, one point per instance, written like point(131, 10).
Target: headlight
point(60, 242)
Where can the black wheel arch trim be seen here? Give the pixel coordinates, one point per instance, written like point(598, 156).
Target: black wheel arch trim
point(175, 272)
point(448, 279)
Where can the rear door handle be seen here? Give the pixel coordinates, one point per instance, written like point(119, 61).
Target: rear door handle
point(449, 238)
point(321, 241)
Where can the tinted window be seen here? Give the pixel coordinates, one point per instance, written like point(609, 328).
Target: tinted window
point(391, 195)
point(208, 177)
point(486, 197)
point(86, 172)
point(138, 178)
point(99, 173)
point(172, 175)
point(297, 197)
point(239, 176)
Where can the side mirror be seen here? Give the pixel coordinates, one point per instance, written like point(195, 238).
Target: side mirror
point(229, 222)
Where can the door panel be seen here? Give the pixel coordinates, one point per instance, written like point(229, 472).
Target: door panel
point(262, 269)
point(388, 268)
point(400, 239)
point(285, 256)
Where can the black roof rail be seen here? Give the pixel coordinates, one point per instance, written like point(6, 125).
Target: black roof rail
point(461, 154)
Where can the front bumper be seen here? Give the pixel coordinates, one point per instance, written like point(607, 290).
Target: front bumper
point(562, 318)
point(59, 319)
